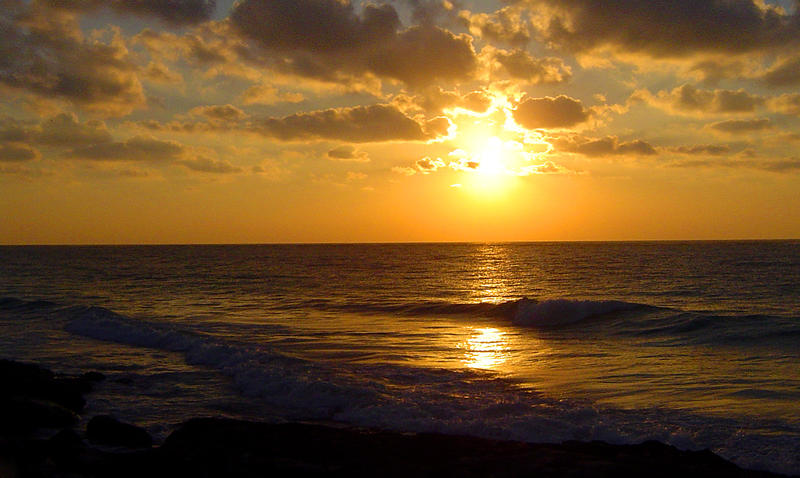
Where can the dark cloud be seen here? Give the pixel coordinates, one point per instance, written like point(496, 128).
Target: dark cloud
point(428, 165)
point(137, 148)
point(208, 165)
point(63, 129)
point(690, 99)
point(331, 41)
point(781, 166)
point(359, 124)
point(742, 126)
point(221, 113)
point(785, 73)
point(521, 65)
point(609, 145)
point(348, 153)
point(704, 149)
point(434, 100)
point(43, 51)
point(420, 55)
point(320, 26)
point(547, 112)
point(665, 29)
point(714, 71)
point(17, 152)
point(173, 12)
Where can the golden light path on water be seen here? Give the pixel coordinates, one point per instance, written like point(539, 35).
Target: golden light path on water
point(486, 348)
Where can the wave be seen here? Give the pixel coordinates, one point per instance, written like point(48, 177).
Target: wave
point(463, 402)
point(523, 312)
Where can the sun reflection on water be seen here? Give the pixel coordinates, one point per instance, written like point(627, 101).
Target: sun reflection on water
point(486, 348)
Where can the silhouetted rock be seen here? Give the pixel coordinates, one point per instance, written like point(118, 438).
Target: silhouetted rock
point(223, 447)
point(24, 414)
point(215, 447)
point(107, 430)
point(31, 381)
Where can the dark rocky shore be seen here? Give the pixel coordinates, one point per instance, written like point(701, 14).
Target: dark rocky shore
point(39, 410)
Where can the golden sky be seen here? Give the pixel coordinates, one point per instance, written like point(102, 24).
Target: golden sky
point(194, 121)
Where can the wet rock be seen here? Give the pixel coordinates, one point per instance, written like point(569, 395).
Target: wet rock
point(107, 430)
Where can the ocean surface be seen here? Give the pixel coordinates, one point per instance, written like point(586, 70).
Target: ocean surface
point(695, 344)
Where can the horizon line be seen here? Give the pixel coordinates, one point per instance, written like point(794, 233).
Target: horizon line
point(335, 243)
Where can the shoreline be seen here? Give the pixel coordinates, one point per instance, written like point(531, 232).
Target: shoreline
point(35, 401)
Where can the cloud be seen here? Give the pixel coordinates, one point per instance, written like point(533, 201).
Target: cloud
point(268, 95)
point(428, 165)
point(742, 126)
point(521, 65)
point(358, 124)
point(17, 152)
point(172, 12)
point(547, 112)
point(65, 130)
point(43, 51)
point(665, 29)
point(424, 54)
point(507, 26)
point(348, 153)
point(548, 167)
point(208, 165)
point(322, 26)
point(137, 148)
point(780, 166)
point(159, 73)
point(219, 113)
point(434, 100)
point(689, 99)
point(786, 165)
point(330, 41)
point(785, 73)
point(787, 104)
point(704, 149)
point(609, 145)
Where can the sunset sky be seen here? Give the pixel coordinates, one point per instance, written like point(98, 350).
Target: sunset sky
point(194, 121)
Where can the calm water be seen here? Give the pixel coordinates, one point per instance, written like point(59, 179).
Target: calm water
point(695, 344)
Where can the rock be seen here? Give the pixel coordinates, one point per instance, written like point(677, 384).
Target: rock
point(93, 377)
point(31, 381)
point(107, 430)
point(23, 415)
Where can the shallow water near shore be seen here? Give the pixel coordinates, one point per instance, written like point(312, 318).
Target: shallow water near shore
point(693, 344)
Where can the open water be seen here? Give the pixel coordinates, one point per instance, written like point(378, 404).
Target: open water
point(695, 344)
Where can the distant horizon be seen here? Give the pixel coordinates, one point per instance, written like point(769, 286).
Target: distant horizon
point(566, 241)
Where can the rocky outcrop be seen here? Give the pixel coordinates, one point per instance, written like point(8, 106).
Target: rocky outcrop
point(107, 430)
point(216, 447)
point(32, 397)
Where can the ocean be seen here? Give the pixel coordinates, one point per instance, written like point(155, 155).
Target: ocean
point(695, 344)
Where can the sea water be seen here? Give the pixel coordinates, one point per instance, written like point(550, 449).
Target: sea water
point(695, 344)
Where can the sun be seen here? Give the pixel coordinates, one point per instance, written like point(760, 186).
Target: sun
point(491, 158)
point(492, 169)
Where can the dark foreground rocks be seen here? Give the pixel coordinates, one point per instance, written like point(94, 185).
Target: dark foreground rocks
point(217, 447)
point(32, 398)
